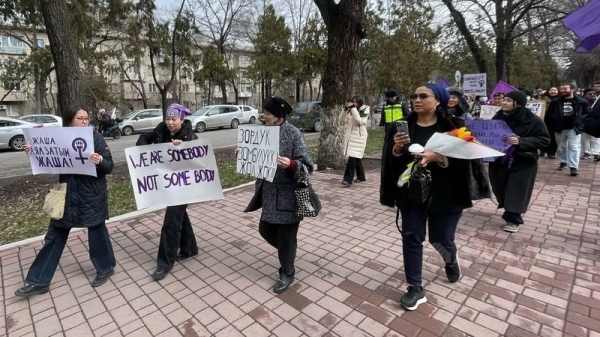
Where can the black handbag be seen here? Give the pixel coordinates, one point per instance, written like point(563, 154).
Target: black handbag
point(308, 201)
point(419, 184)
point(479, 183)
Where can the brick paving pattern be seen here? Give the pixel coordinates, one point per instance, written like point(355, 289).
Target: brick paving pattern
point(542, 281)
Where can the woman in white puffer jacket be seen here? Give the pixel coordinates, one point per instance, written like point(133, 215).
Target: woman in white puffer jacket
point(357, 115)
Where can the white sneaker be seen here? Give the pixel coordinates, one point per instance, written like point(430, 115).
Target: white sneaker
point(510, 227)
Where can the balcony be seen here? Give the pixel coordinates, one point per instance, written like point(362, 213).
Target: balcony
point(14, 96)
point(12, 50)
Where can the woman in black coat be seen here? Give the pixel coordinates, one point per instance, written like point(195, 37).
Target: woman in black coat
point(513, 176)
point(449, 196)
point(177, 232)
point(86, 205)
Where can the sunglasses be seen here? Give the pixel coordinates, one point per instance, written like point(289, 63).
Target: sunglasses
point(421, 96)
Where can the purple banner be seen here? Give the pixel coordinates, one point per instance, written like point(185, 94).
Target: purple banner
point(493, 133)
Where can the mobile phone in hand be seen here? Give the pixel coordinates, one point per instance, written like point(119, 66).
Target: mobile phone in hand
point(402, 126)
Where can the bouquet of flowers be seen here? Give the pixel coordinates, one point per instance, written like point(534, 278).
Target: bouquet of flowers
point(460, 144)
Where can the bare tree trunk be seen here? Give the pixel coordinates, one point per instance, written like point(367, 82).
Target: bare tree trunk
point(344, 29)
point(310, 88)
point(66, 60)
point(461, 24)
point(224, 93)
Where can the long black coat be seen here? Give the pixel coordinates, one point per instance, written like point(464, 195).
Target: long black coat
point(449, 185)
point(86, 202)
point(513, 186)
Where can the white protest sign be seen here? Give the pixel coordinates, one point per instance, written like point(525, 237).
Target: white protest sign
point(166, 174)
point(537, 107)
point(488, 111)
point(258, 150)
point(61, 150)
point(475, 84)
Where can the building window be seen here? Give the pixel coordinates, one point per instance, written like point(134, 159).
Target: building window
point(14, 86)
point(9, 41)
point(185, 88)
point(135, 87)
point(246, 59)
point(152, 87)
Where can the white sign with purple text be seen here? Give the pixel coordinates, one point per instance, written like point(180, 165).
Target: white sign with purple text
point(166, 174)
point(258, 148)
point(475, 84)
point(61, 150)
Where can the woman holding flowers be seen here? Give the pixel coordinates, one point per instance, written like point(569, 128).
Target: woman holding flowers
point(449, 196)
point(513, 176)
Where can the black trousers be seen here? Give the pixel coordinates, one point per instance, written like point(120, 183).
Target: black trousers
point(551, 149)
point(442, 227)
point(354, 165)
point(285, 239)
point(176, 234)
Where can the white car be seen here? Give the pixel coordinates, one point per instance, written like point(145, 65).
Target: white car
point(250, 114)
point(216, 116)
point(44, 119)
point(141, 121)
point(11, 134)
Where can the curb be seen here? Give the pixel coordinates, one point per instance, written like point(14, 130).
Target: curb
point(111, 220)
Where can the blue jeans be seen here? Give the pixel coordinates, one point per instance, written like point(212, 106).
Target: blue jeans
point(569, 147)
point(43, 267)
point(442, 227)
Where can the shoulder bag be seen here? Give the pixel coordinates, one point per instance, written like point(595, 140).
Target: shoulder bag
point(309, 204)
point(54, 204)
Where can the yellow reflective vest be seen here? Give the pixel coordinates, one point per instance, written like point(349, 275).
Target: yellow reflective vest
point(393, 112)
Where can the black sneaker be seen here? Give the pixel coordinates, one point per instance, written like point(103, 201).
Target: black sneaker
point(574, 172)
point(414, 297)
point(562, 166)
point(586, 156)
point(597, 158)
point(453, 270)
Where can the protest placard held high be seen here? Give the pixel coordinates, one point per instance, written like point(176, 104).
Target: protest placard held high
point(258, 150)
point(61, 150)
point(166, 175)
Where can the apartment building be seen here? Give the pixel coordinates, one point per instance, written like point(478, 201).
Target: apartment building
point(17, 98)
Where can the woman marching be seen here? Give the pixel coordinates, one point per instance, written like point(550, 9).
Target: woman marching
point(513, 176)
point(278, 221)
point(177, 232)
point(449, 197)
point(86, 205)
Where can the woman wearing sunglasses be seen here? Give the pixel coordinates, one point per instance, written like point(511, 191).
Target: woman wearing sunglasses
point(86, 205)
point(449, 195)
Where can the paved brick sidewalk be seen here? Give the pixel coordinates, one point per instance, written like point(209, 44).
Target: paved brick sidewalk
point(542, 281)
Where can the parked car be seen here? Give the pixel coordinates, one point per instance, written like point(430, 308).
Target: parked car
point(307, 116)
point(141, 121)
point(250, 114)
point(11, 133)
point(44, 119)
point(216, 116)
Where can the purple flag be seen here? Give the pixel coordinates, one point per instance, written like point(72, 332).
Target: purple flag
point(443, 83)
point(585, 23)
point(502, 87)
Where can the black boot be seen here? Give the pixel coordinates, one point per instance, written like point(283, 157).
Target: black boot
point(284, 282)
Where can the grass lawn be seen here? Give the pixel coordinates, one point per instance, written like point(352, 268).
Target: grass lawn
point(22, 217)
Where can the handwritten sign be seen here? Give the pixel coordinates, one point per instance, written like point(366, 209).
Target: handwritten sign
point(61, 150)
point(475, 84)
point(488, 111)
point(493, 133)
point(167, 175)
point(258, 150)
point(537, 107)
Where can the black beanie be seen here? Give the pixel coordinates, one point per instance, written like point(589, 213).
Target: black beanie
point(391, 93)
point(518, 96)
point(278, 107)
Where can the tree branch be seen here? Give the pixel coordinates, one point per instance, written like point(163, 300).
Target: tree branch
point(327, 8)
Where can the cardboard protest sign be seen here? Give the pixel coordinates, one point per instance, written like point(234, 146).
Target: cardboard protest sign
point(258, 150)
point(537, 107)
point(61, 150)
point(475, 84)
point(488, 111)
point(167, 175)
point(493, 133)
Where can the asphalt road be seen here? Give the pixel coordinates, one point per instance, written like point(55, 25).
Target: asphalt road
point(16, 163)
